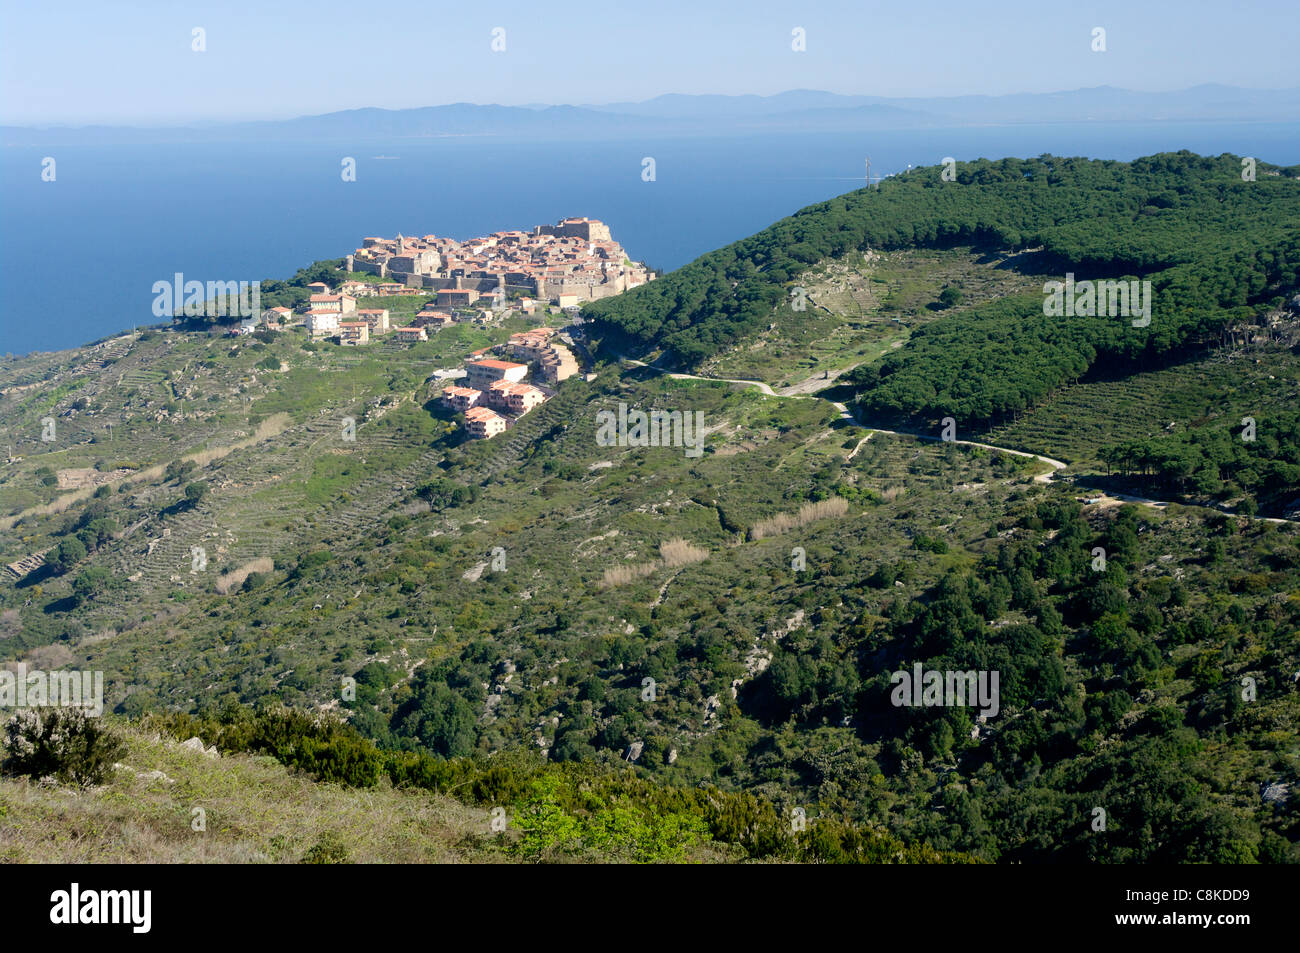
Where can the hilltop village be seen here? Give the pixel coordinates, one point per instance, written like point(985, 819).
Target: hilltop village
point(482, 281)
point(572, 261)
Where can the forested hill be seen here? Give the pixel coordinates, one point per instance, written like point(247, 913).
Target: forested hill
point(1213, 245)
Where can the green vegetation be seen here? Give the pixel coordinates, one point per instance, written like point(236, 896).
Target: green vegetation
point(62, 743)
point(1257, 458)
point(557, 812)
point(1210, 243)
point(645, 656)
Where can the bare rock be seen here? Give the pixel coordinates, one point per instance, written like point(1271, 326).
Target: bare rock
point(1276, 793)
point(196, 745)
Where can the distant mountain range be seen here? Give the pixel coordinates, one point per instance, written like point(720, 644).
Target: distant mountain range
point(677, 114)
point(1208, 102)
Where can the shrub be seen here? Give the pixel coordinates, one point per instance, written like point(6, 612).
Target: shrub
point(177, 469)
point(328, 850)
point(66, 743)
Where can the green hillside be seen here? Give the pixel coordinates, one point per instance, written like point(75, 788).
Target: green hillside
point(1211, 244)
point(647, 647)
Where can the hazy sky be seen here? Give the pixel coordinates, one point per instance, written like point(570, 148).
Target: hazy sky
point(78, 61)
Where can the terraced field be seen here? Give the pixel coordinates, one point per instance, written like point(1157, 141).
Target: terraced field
point(863, 306)
point(1077, 421)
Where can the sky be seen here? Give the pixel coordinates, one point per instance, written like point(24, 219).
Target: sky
point(133, 61)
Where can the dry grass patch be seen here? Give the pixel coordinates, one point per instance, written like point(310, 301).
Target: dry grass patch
point(781, 523)
point(673, 554)
point(230, 581)
point(678, 552)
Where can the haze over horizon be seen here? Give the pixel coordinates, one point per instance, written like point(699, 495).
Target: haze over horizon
point(694, 104)
point(138, 66)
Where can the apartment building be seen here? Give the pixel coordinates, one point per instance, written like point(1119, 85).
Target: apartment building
point(322, 323)
point(431, 317)
point(461, 399)
point(484, 424)
point(339, 304)
point(377, 318)
point(481, 374)
point(517, 399)
point(354, 333)
point(556, 364)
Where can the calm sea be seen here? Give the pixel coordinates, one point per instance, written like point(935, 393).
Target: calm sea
point(79, 256)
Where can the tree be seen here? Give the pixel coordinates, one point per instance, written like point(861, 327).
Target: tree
point(67, 554)
point(91, 581)
point(950, 296)
point(195, 492)
point(439, 719)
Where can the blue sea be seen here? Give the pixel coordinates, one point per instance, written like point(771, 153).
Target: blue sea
point(79, 255)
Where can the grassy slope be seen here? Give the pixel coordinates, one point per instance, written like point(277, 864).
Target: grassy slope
point(256, 810)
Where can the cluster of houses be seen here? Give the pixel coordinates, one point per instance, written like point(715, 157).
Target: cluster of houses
point(562, 265)
point(572, 261)
point(337, 315)
point(559, 265)
point(495, 392)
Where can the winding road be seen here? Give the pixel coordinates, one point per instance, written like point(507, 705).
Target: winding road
point(1104, 498)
